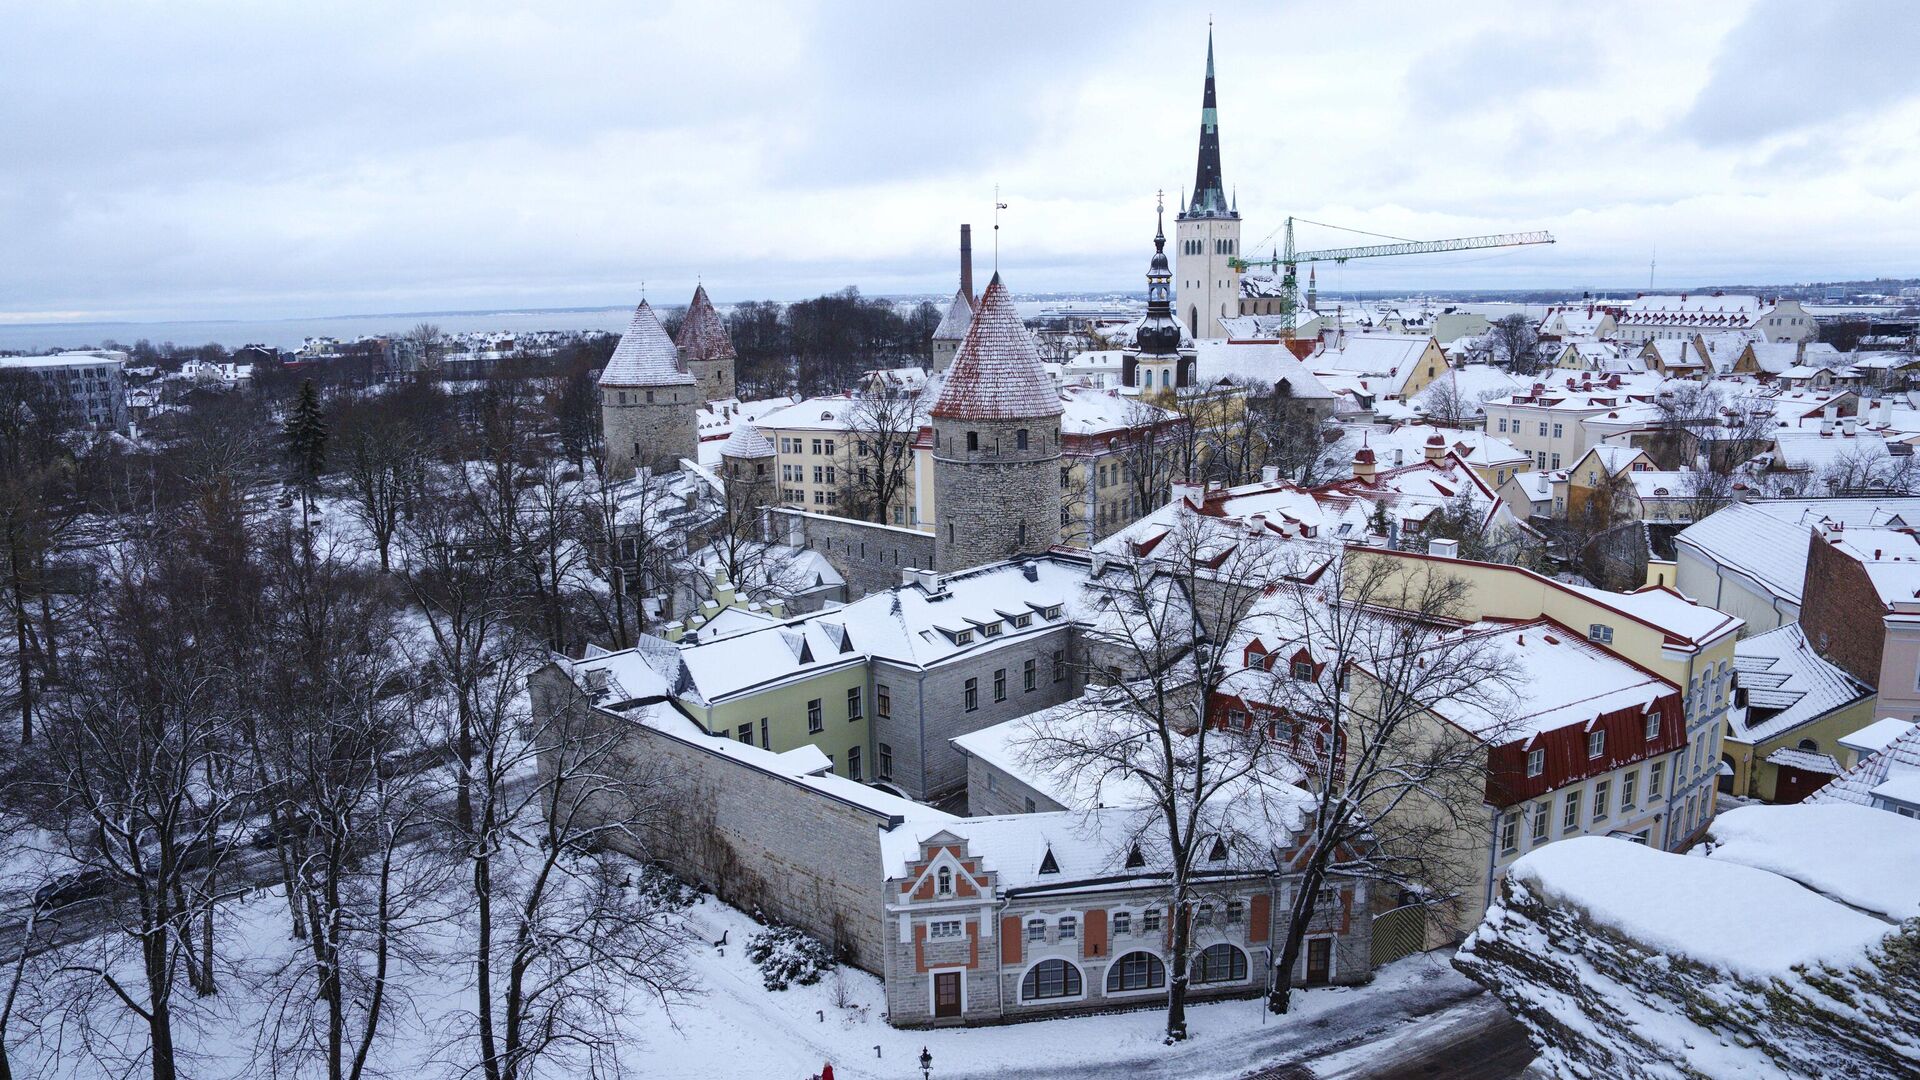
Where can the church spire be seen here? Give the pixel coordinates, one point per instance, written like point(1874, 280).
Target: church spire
point(1209, 191)
point(1159, 334)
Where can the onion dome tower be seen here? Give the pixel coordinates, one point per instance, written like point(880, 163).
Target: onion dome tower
point(647, 400)
point(708, 349)
point(996, 443)
point(1155, 364)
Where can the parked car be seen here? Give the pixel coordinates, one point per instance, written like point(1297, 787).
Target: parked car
point(70, 889)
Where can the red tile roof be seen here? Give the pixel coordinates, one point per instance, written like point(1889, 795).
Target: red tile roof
point(703, 333)
point(997, 374)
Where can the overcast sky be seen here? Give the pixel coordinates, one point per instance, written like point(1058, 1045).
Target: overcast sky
point(192, 160)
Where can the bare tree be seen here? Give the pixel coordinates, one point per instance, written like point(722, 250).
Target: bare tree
point(1296, 438)
point(882, 425)
point(343, 752)
point(1394, 788)
point(1159, 627)
point(559, 940)
point(141, 785)
point(1517, 344)
point(384, 462)
point(427, 345)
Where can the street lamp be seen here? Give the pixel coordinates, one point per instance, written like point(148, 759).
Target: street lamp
point(926, 1064)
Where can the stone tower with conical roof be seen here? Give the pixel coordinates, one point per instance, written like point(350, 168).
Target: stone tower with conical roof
point(647, 400)
point(1209, 229)
point(746, 465)
point(708, 349)
point(996, 443)
point(952, 330)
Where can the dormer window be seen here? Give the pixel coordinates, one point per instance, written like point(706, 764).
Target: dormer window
point(943, 882)
point(1219, 852)
point(1048, 864)
point(1021, 622)
point(963, 637)
point(991, 629)
point(1303, 670)
point(1051, 611)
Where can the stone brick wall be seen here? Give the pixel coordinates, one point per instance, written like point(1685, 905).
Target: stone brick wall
point(997, 500)
point(1841, 612)
point(869, 555)
point(713, 378)
point(656, 435)
point(759, 840)
point(992, 791)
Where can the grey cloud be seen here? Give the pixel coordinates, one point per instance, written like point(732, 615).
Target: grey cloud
point(1792, 64)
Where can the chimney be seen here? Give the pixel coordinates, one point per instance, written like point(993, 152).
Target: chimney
point(1850, 426)
point(1436, 449)
point(1364, 464)
point(1269, 474)
point(1443, 549)
point(1193, 494)
point(1833, 411)
point(966, 263)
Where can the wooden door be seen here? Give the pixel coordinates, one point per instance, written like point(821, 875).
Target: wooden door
point(946, 993)
point(1319, 961)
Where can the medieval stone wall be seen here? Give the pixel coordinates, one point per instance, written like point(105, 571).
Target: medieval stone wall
point(656, 434)
point(869, 555)
point(994, 500)
point(759, 840)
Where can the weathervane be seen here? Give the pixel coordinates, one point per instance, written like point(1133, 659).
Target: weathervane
point(997, 207)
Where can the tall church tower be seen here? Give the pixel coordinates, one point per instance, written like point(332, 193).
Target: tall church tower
point(996, 443)
point(1209, 233)
point(647, 400)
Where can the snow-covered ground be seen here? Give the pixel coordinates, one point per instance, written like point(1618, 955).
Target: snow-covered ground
point(735, 1028)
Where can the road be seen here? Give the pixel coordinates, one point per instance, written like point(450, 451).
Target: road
point(1475, 1040)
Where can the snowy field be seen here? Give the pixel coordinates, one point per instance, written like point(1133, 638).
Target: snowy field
point(735, 1028)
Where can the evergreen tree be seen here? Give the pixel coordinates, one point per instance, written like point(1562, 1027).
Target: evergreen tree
point(306, 433)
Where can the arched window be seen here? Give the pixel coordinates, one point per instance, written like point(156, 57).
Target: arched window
point(1809, 744)
point(1136, 971)
point(1054, 979)
point(1220, 963)
point(1166, 377)
point(1020, 439)
point(944, 886)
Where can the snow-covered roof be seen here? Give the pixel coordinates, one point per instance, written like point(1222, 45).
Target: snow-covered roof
point(1758, 924)
point(1788, 684)
point(1474, 383)
point(61, 360)
point(997, 374)
point(1865, 858)
point(903, 625)
point(1876, 736)
point(747, 442)
point(1087, 411)
point(1557, 679)
point(1250, 362)
point(645, 356)
point(1805, 761)
point(1384, 355)
point(1899, 761)
point(1408, 443)
point(703, 333)
point(1661, 607)
point(953, 325)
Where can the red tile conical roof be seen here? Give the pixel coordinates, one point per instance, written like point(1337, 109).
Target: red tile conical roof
point(997, 374)
point(703, 333)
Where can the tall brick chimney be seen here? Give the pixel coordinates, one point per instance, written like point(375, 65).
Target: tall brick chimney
point(966, 264)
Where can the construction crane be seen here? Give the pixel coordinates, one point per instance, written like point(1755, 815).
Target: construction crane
point(1290, 260)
